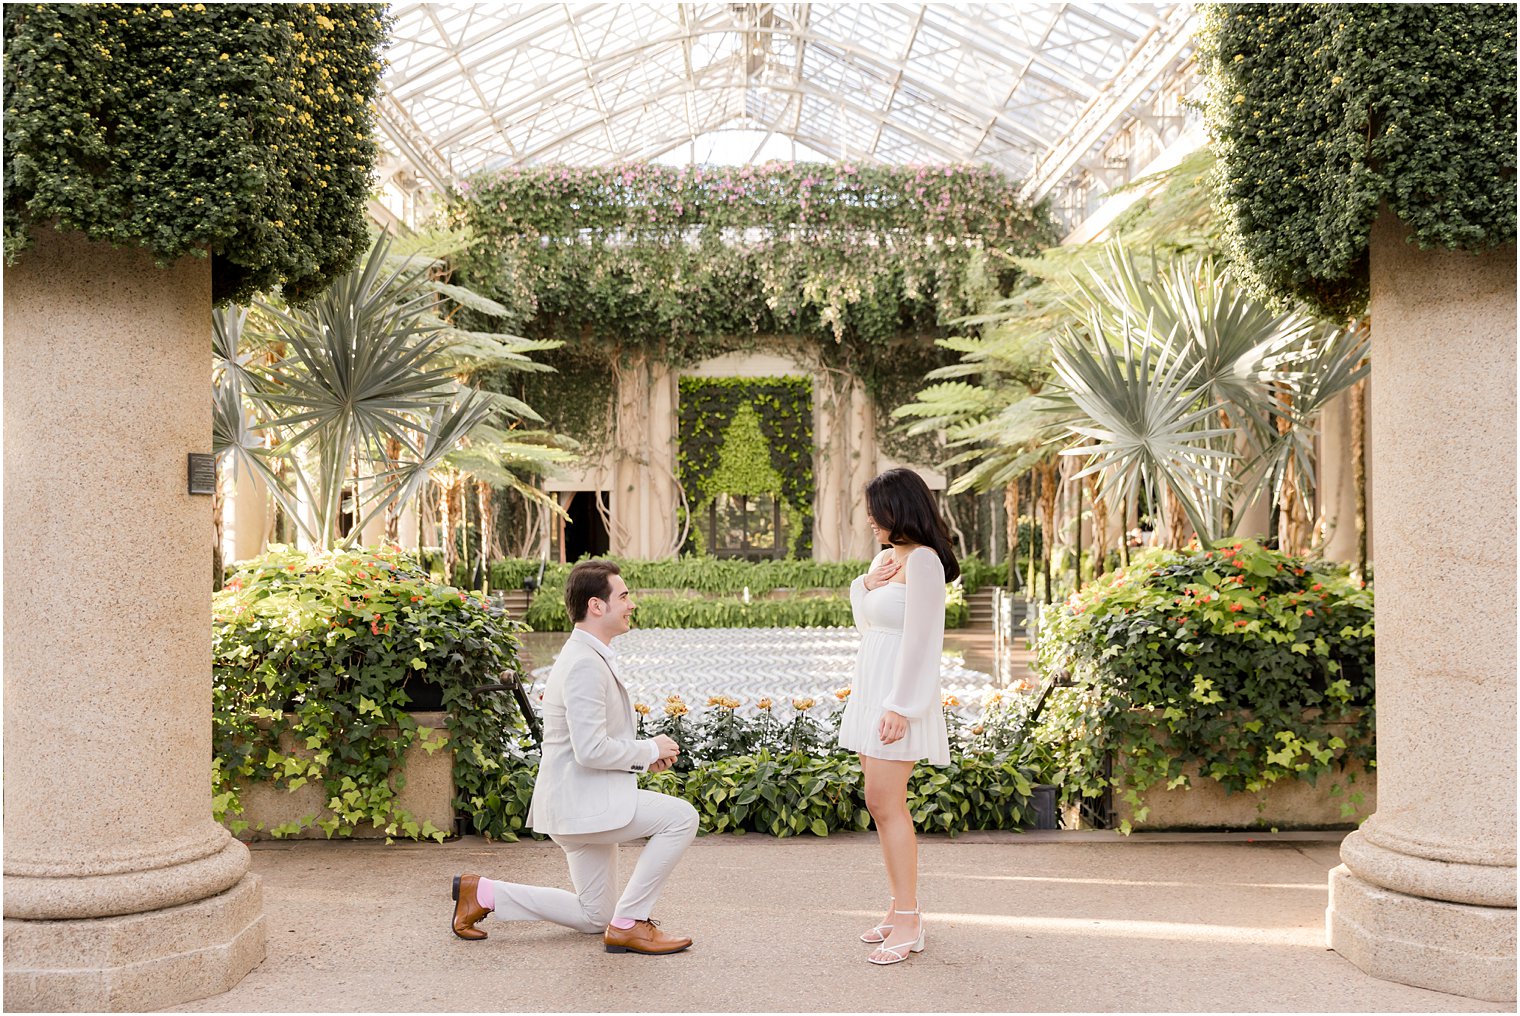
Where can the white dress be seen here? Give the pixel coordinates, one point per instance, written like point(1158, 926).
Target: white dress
point(902, 634)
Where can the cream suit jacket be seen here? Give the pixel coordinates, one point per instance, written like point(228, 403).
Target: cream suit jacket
point(588, 774)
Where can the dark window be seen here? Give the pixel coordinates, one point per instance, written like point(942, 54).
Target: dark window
point(747, 526)
point(585, 535)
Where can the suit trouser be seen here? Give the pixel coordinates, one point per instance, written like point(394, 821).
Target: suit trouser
point(671, 825)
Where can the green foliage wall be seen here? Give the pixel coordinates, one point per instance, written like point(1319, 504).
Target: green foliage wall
point(1322, 112)
point(240, 130)
point(688, 259)
point(783, 407)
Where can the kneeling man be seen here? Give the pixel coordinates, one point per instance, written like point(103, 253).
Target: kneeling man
point(587, 797)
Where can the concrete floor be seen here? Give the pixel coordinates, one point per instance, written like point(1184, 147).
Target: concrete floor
point(1034, 922)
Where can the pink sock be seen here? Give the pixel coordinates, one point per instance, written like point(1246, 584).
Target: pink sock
point(485, 894)
point(623, 923)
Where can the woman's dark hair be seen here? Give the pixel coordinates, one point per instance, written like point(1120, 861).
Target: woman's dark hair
point(588, 579)
point(900, 502)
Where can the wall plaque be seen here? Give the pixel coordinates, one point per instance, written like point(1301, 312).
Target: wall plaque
point(202, 471)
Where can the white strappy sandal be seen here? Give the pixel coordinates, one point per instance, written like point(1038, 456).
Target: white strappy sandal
point(898, 953)
point(878, 934)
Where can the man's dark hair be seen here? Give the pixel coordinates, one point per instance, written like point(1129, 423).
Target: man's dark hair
point(588, 579)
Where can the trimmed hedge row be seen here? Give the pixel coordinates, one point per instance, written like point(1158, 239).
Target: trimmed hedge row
point(796, 792)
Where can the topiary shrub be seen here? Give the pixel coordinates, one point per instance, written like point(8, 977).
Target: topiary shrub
point(336, 649)
point(1254, 665)
point(241, 130)
point(1320, 113)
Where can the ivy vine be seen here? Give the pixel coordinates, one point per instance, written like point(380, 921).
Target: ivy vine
point(242, 130)
point(782, 407)
point(1321, 113)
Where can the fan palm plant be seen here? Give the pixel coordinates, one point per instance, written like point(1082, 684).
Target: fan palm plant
point(1183, 382)
point(367, 399)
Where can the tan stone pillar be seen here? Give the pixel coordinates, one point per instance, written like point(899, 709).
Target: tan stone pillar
point(846, 457)
point(644, 498)
point(1426, 895)
point(120, 891)
point(249, 512)
point(1337, 482)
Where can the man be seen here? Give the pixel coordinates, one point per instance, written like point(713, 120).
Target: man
point(586, 797)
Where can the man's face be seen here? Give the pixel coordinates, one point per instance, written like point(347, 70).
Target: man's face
point(617, 609)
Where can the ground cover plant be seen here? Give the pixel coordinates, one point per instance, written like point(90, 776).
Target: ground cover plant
point(334, 648)
point(772, 768)
point(1255, 666)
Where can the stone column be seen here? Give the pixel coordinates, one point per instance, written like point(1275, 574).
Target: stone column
point(844, 434)
point(1426, 894)
point(644, 500)
point(120, 890)
point(248, 516)
point(1337, 482)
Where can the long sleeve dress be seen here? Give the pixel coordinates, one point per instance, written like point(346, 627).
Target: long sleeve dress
point(902, 634)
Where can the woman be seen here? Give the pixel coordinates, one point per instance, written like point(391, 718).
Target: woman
point(894, 717)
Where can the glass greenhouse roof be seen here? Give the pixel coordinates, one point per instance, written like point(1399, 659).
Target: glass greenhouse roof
point(1034, 89)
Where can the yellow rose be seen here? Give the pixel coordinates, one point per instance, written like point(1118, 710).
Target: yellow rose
point(842, 694)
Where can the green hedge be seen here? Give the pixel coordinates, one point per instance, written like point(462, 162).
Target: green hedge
point(1320, 113)
point(1239, 659)
point(335, 648)
point(796, 792)
point(547, 612)
point(242, 130)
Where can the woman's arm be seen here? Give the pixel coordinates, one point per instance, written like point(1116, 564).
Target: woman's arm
point(915, 682)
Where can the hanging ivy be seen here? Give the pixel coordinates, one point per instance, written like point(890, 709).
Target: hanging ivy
point(1321, 113)
point(692, 260)
point(245, 131)
point(721, 449)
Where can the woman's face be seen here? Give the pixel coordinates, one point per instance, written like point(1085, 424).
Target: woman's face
point(881, 535)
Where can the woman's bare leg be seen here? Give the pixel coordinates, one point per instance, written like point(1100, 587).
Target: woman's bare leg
point(887, 799)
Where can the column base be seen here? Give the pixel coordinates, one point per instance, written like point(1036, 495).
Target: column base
point(136, 962)
point(1457, 948)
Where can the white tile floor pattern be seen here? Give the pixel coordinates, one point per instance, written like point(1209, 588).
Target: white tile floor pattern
point(754, 663)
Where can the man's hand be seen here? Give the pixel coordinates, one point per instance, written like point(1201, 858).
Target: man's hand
point(882, 573)
point(659, 765)
point(669, 750)
point(893, 727)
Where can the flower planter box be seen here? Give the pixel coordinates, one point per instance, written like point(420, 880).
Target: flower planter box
point(1285, 805)
point(428, 794)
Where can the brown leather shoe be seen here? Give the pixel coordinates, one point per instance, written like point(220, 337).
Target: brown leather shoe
point(644, 937)
point(467, 908)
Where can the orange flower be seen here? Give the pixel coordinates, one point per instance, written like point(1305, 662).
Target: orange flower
point(842, 694)
point(802, 705)
point(1241, 624)
point(1309, 612)
point(1236, 608)
point(764, 705)
point(951, 702)
point(641, 709)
